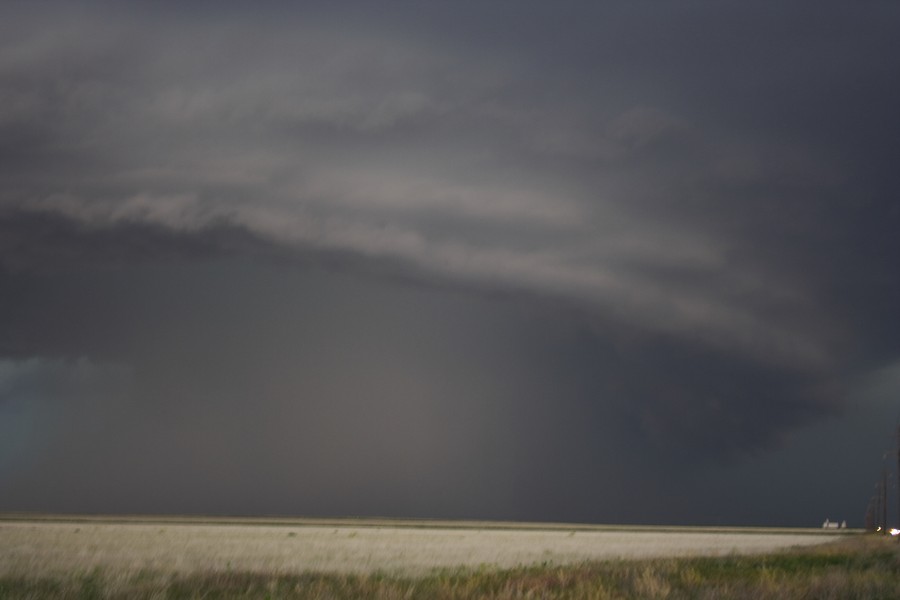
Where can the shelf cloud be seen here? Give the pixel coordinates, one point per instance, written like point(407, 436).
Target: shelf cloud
point(675, 226)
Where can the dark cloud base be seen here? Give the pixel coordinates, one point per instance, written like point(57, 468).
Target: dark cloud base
point(562, 263)
point(294, 389)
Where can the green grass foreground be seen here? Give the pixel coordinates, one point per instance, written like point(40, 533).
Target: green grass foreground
point(863, 566)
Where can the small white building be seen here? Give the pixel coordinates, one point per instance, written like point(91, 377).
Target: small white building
point(834, 524)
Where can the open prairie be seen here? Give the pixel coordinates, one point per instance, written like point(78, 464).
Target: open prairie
point(351, 546)
point(152, 558)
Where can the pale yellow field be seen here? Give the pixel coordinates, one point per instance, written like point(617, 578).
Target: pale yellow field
point(56, 547)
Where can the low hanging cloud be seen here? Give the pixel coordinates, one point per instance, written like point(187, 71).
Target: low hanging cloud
point(716, 212)
point(418, 162)
point(43, 402)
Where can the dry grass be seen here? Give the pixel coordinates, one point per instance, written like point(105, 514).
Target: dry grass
point(164, 560)
point(861, 567)
point(58, 547)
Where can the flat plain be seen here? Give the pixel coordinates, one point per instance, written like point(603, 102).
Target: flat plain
point(296, 546)
point(104, 557)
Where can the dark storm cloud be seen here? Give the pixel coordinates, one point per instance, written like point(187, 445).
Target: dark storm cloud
point(40, 398)
point(341, 156)
point(704, 199)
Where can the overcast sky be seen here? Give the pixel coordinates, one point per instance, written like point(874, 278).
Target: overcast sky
point(606, 262)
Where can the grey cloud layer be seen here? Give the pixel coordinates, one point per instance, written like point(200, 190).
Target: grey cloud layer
point(463, 167)
point(709, 193)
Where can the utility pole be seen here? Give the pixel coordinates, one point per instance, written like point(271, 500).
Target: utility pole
point(870, 514)
point(898, 475)
point(876, 507)
point(884, 499)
